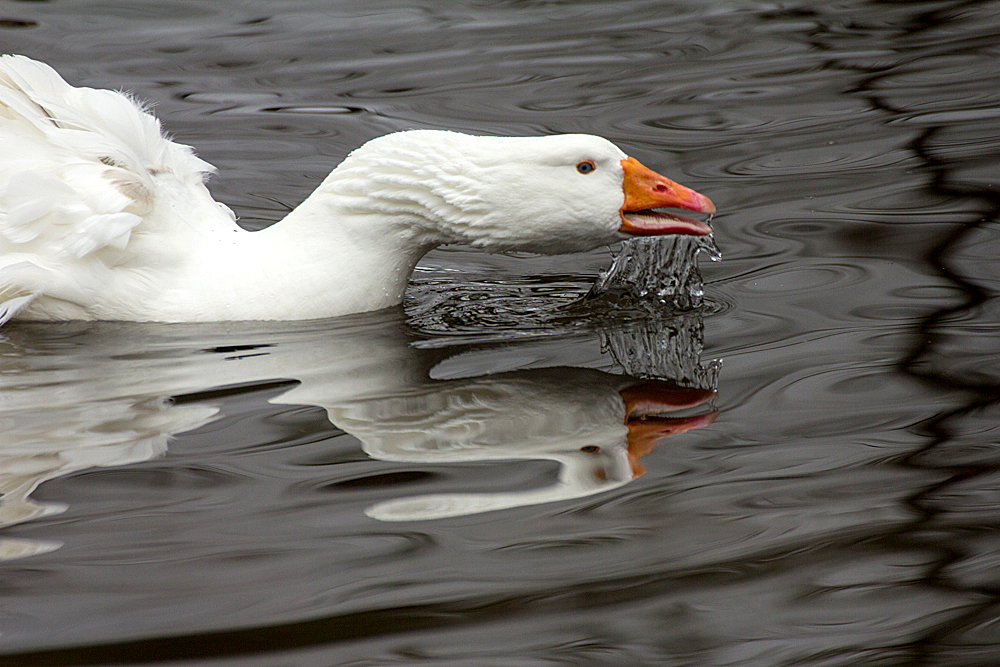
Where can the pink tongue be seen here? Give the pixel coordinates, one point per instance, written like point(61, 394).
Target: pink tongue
point(647, 223)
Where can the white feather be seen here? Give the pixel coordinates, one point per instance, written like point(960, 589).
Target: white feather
point(80, 171)
point(102, 217)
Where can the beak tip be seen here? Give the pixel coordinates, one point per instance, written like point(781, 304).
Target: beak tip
point(705, 205)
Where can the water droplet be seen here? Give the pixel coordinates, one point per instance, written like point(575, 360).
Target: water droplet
point(657, 269)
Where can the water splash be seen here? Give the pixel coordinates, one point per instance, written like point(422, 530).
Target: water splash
point(651, 278)
point(663, 348)
point(659, 277)
point(656, 271)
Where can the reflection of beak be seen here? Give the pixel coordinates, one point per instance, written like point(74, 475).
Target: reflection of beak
point(646, 401)
point(645, 434)
point(646, 190)
point(654, 397)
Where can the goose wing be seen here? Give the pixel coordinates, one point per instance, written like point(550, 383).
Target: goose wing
point(84, 175)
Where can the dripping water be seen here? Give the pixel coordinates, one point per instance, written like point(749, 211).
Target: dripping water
point(658, 278)
point(655, 272)
point(663, 348)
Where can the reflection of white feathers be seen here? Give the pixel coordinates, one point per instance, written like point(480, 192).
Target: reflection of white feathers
point(574, 417)
point(70, 408)
point(78, 396)
point(40, 441)
point(510, 415)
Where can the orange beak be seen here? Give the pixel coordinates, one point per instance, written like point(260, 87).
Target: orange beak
point(646, 190)
point(644, 435)
point(646, 402)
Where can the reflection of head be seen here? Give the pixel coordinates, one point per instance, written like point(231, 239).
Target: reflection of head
point(594, 425)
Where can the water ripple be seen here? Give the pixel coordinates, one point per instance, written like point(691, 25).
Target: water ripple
point(838, 511)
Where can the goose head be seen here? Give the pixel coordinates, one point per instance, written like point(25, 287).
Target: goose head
point(553, 194)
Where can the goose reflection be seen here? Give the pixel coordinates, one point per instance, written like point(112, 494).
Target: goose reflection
point(595, 425)
point(76, 396)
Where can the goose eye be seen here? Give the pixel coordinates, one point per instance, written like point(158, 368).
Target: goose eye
point(590, 449)
point(586, 167)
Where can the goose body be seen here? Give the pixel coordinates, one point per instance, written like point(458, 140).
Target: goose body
point(103, 218)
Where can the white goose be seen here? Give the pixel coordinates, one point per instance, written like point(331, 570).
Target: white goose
point(103, 218)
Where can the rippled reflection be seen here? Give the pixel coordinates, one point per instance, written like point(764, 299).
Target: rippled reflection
point(78, 396)
point(840, 511)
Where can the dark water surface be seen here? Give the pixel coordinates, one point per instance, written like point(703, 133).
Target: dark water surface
point(422, 487)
